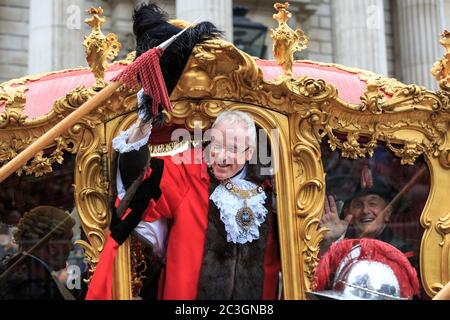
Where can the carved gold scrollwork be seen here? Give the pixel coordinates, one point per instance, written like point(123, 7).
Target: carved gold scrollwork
point(75, 98)
point(122, 101)
point(99, 48)
point(91, 191)
point(310, 188)
point(404, 98)
point(192, 114)
point(312, 89)
point(138, 266)
point(352, 148)
point(217, 68)
point(85, 138)
point(9, 149)
point(441, 70)
point(444, 158)
point(286, 41)
point(443, 229)
point(14, 101)
point(40, 164)
point(409, 153)
point(373, 99)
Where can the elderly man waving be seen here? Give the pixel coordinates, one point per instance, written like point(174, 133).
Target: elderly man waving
point(221, 243)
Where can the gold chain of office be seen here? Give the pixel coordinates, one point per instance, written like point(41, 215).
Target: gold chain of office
point(241, 193)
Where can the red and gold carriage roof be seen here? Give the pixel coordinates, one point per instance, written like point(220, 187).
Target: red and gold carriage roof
point(30, 101)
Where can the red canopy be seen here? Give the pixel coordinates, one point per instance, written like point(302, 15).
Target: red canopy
point(42, 92)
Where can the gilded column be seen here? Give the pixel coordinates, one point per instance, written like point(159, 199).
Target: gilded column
point(419, 25)
point(56, 35)
point(219, 12)
point(359, 34)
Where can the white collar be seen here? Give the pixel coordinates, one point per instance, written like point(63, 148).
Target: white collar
point(229, 205)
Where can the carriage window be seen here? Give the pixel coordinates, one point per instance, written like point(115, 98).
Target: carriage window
point(39, 228)
point(375, 198)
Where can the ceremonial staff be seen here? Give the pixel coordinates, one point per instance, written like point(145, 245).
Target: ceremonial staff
point(145, 70)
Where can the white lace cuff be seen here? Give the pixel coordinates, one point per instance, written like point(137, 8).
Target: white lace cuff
point(153, 234)
point(121, 145)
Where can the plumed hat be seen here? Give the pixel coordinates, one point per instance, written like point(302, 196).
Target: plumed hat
point(379, 187)
point(151, 28)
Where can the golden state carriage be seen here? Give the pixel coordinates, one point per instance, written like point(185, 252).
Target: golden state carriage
point(330, 120)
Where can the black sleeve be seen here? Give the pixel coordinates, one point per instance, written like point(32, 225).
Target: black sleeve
point(131, 165)
point(149, 189)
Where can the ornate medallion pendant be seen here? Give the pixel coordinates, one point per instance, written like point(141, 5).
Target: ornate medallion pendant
point(245, 217)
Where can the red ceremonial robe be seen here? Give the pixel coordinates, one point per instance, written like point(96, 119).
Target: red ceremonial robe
point(184, 199)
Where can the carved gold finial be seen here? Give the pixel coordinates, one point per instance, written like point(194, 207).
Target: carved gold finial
point(285, 40)
point(441, 69)
point(99, 48)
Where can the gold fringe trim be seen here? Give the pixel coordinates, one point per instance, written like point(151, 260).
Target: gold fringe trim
point(174, 147)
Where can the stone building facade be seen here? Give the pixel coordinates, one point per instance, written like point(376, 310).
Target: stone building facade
point(396, 38)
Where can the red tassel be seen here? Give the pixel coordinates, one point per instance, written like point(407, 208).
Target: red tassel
point(147, 69)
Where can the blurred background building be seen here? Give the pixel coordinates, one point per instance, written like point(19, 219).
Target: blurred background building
point(395, 38)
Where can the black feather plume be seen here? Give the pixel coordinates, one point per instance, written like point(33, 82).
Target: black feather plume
point(151, 28)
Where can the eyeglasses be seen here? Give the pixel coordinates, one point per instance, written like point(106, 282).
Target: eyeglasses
point(232, 151)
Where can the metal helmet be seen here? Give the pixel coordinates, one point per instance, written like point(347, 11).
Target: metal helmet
point(364, 274)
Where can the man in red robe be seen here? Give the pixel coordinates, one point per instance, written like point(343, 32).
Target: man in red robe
point(222, 242)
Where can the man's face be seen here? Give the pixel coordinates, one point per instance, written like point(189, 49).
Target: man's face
point(229, 150)
point(369, 216)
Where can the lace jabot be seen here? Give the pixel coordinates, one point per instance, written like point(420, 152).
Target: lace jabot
point(229, 205)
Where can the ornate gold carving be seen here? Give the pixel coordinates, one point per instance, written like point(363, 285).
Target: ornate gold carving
point(10, 148)
point(310, 88)
point(309, 186)
point(91, 190)
point(18, 132)
point(444, 159)
point(351, 148)
point(14, 101)
point(17, 139)
point(285, 40)
point(443, 227)
point(409, 153)
point(99, 48)
point(195, 115)
point(441, 69)
point(138, 266)
point(373, 99)
point(217, 70)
